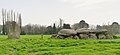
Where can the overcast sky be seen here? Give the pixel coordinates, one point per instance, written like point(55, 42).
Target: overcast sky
point(46, 12)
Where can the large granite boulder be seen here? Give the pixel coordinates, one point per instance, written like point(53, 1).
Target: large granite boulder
point(64, 33)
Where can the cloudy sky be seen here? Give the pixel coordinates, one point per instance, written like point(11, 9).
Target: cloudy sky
point(46, 12)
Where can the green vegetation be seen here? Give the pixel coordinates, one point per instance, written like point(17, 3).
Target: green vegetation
point(35, 45)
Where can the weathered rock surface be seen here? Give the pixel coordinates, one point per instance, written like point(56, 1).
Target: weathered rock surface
point(67, 32)
point(83, 33)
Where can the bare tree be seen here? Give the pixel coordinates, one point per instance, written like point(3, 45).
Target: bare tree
point(60, 23)
point(81, 24)
point(3, 17)
point(115, 27)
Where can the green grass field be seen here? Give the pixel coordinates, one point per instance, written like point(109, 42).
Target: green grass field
point(35, 45)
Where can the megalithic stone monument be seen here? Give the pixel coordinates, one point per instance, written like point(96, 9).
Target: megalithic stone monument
point(11, 24)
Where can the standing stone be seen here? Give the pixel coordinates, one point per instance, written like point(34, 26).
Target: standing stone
point(108, 36)
point(83, 36)
point(13, 23)
point(102, 36)
point(14, 31)
point(92, 36)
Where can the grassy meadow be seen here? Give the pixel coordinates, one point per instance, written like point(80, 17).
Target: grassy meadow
point(35, 45)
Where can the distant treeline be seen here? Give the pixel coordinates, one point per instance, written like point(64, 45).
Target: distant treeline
point(36, 29)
